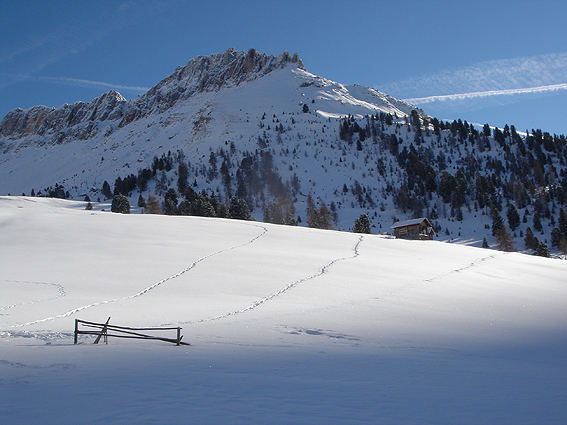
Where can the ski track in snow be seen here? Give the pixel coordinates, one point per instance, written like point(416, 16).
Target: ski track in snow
point(412, 285)
point(153, 286)
point(472, 264)
point(324, 269)
point(60, 293)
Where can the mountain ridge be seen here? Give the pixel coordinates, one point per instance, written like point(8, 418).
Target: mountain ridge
point(266, 130)
point(199, 74)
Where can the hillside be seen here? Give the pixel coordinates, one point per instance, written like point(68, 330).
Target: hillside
point(287, 324)
point(264, 129)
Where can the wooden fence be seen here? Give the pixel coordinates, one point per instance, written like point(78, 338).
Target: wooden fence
point(106, 330)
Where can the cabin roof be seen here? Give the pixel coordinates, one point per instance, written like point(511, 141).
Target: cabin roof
point(412, 222)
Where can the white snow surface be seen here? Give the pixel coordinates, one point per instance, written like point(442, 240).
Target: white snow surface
point(287, 324)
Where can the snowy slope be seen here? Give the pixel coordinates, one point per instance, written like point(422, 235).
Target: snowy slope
point(288, 324)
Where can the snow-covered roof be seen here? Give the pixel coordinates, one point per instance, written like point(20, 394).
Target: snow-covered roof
point(409, 222)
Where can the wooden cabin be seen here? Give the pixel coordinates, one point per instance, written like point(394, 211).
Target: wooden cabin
point(418, 228)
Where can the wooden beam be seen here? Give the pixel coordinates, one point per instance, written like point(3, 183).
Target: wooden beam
point(103, 331)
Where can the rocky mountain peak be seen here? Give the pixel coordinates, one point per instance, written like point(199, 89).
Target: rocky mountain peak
point(43, 120)
point(203, 73)
point(207, 73)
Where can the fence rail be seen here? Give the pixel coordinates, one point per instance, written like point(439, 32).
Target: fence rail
point(123, 332)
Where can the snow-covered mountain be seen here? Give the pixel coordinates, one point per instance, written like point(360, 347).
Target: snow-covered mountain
point(265, 129)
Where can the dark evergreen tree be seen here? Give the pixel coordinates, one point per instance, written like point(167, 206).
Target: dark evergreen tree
point(107, 193)
point(144, 175)
point(182, 175)
point(222, 210)
point(361, 224)
point(513, 217)
point(394, 145)
point(141, 201)
point(203, 207)
point(239, 209)
point(497, 222)
point(485, 243)
point(120, 204)
point(225, 175)
point(89, 206)
point(447, 185)
point(118, 190)
point(530, 240)
point(542, 250)
point(170, 202)
point(563, 222)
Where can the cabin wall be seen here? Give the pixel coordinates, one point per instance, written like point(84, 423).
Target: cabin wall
point(416, 231)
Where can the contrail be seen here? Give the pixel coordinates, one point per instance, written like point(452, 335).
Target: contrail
point(488, 93)
point(92, 83)
point(73, 81)
point(494, 77)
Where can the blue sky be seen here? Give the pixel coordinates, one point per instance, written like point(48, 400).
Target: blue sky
point(62, 51)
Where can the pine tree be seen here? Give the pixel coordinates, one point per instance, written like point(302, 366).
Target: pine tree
point(542, 250)
point(485, 243)
point(239, 209)
point(563, 222)
point(513, 217)
point(106, 190)
point(530, 240)
point(497, 222)
point(120, 204)
point(141, 201)
point(361, 224)
point(182, 176)
point(170, 202)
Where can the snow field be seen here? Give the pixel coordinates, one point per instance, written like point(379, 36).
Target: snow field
point(287, 325)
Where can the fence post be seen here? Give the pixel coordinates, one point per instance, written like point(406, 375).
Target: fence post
point(178, 335)
point(76, 331)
